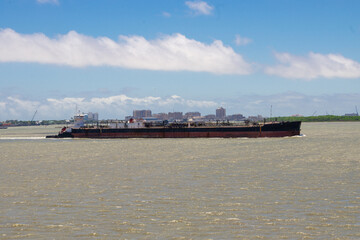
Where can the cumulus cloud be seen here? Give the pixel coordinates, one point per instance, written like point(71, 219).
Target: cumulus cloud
point(168, 53)
point(314, 65)
point(291, 103)
point(108, 107)
point(166, 14)
point(48, 1)
point(199, 7)
point(119, 106)
point(242, 40)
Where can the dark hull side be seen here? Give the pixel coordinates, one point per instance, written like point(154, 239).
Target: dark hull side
point(282, 129)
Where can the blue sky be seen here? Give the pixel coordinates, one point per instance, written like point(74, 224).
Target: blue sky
point(110, 57)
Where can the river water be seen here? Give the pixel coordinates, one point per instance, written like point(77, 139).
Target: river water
point(305, 187)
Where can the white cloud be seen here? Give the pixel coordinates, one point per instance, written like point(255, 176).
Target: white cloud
point(242, 40)
point(48, 1)
point(168, 53)
point(16, 107)
point(23, 104)
point(108, 107)
point(119, 106)
point(291, 103)
point(200, 7)
point(314, 65)
point(166, 14)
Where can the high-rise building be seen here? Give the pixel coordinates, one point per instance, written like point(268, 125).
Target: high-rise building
point(220, 113)
point(141, 113)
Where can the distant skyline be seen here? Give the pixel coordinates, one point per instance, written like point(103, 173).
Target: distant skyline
point(110, 57)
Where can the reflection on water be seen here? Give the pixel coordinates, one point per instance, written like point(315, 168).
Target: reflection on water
point(272, 188)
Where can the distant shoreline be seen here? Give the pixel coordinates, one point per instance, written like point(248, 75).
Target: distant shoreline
point(324, 118)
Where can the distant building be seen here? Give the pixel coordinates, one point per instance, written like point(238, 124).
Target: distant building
point(175, 115)
point(351, 114)
point(141, 113)
point(151, 119)
point(220, 113)
point(257, 118)
point(162, 116)
point(235, 117)
point(92, 116)
point(189, 115)
point(210, 117)
point(198, 119)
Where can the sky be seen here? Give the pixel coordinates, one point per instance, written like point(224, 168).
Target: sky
point(262, 57)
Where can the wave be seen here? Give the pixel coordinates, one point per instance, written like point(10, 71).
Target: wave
point(22, 138)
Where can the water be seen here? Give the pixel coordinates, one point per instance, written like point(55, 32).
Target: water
point(276, 188)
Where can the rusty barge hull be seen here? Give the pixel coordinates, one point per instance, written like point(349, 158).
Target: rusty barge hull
point(282, 129)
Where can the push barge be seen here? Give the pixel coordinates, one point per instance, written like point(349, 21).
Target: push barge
point(141, 129)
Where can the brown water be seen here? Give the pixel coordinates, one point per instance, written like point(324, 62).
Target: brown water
point(276, 188)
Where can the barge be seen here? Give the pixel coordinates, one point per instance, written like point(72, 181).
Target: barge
point(142, 129)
